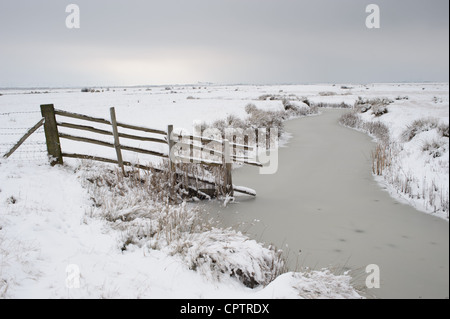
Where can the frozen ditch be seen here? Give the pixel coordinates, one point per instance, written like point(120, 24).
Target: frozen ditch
point(324, 202)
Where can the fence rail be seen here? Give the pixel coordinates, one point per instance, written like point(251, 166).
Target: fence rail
point(51, 122)
point(205, 140)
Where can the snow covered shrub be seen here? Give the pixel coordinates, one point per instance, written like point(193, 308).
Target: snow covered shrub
point(220, 125)
point(302, 111)
point(417, 127)
point(341, 105)
point(443, 130)
point(267, 119)
point(377, 104)
point(433, 148)
point(350, 119)
point(288, 105)
point(327, 93)
point(379, 110)
point(380, 101)
point(257, 119)
point(378, 130)
point(250, 108)
point(231, 121)
point(147, 220)
point(220, 253)
point(360, 101)
point(294, 110)
point(305, 100)
point(234, 121)
point(314, 284)
point(266, 97)
point(201, 127)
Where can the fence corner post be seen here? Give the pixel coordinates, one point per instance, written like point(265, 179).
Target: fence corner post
point(51, 134)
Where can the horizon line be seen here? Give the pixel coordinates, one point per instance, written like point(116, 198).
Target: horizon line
point(212, 84)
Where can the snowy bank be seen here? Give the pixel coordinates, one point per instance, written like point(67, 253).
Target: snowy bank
point(50, 224)
point(412, 159)
point(49, 219)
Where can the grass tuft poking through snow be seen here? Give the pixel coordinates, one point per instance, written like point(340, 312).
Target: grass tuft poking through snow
point(258, 118)
point(411, 162)
point(419, 126)
point(146, 219)
point(132, 206)
point(127, 241)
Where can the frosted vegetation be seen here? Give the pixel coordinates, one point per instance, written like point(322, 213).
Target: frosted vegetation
point(413, 163)
point(139, 207)
point(143, 219)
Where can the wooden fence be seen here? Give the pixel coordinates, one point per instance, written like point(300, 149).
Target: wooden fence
point(53, 119)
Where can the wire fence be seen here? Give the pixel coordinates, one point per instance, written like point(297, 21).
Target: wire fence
point(34, 149)
point(20, 112)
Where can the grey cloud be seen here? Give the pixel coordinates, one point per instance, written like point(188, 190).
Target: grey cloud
point(258, 41)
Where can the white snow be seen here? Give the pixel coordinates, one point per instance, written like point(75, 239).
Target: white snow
point(45, 228)
point(45, 222)
point(426, 174)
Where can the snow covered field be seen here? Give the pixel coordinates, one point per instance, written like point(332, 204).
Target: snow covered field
point(46, 220)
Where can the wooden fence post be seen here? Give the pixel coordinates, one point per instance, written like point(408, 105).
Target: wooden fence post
point(51, 134)
point(227, 164)
point(171, 143)
point(116, 139)
point(256, 141)
point(172, 170)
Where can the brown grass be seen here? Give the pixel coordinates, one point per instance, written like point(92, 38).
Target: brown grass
point(381, 159)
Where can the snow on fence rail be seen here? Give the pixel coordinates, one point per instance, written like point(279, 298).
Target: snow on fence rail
point(53, 136)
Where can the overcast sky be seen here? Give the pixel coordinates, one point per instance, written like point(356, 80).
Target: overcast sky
point(134, 42)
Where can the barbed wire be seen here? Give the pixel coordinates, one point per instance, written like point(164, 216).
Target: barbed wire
point(25, 151)
point(14, 128)
point(27, 154)
point(11, 133)
point(21, 112)
point(31, 151)
point(35, 143)
point(24, 131)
